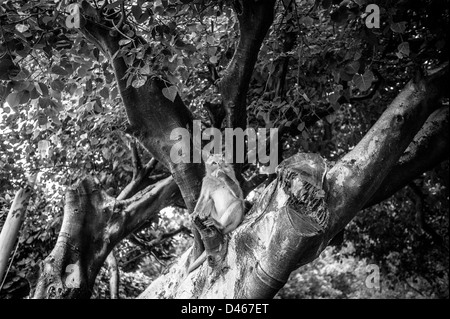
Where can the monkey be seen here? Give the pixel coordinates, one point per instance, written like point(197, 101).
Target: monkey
point(221, 200)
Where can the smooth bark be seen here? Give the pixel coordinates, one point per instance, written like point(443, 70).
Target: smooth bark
point(10, 229)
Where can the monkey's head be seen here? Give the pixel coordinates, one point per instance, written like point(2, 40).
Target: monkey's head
point(217, 161)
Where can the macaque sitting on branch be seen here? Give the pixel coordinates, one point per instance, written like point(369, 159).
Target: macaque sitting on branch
point(221, 201)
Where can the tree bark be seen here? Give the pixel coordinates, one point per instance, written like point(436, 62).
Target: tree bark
point(429, 147)
point(255, 19)
point(11, 227)
point(114, 276)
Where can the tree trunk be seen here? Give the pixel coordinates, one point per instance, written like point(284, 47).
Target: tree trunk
point(11, 227)
point(93, 224)
point(114, 276)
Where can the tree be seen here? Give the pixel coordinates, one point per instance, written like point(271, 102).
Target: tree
point(67, 69)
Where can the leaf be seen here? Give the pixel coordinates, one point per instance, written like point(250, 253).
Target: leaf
point(145, 69)
point(170, 93)
point(44, 102)
point(398, 27)
point(124, 41)
point(331, 118)
point(34, 94)
point(305, 97)
point(114, 93)
point(41, 88)
point(25, 97)
point(55, 119)
point(213, 59)
point(159, 10)
point(98, 106)
point(403, 48)
point(56, 69)
point(137, 83)
point(57, 106)
point(352, 67)
point(13, 99)
point(47, 19)
point(22, 27)
point(42, 119)
point(136, 11)
point(57, 85)
point(104, 93)
point(307, 21)
point(106, 153)
point(143, 17)
point(129, 80)
point(210, 39)
point(301, 126)
point(363, 82)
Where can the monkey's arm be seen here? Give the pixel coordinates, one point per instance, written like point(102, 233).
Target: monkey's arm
point(203, 209)
point(228, 222)
point(204, 204)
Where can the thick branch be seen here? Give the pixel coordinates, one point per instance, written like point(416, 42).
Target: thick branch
point(255, 18)
point(114, 277)
point(11, 227)
point(92, 226)
point(429, 147)
point(359, 174)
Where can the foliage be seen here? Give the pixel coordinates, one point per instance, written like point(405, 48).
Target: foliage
point(391, 235)
point(339, 275)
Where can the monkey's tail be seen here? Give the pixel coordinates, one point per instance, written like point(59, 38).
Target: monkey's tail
point(200, 260)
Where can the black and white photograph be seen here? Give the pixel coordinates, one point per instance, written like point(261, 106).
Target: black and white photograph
point(255, 153)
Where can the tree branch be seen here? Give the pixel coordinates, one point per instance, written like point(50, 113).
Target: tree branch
point(359, 174)
point(114, 277)
point(429, 147)
point(255, 19)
